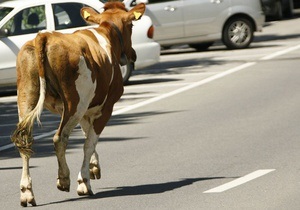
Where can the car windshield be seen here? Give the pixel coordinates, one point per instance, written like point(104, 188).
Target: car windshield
point(4, 11)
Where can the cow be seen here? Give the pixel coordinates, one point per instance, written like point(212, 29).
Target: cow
point(78, 77)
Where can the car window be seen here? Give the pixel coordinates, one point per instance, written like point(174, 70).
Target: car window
point(158, 1)
point(67, 15)
point(29, 20)
point(134, 3)
point(4, 11)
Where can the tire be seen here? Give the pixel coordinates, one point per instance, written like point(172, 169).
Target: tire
point(238, 33)
point(126, 72)
point(279, 12)
point(288, 11)
point(201, 46)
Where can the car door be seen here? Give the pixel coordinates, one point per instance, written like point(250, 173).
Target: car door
point(201, 17)
point(21, 27)
point(167, 18)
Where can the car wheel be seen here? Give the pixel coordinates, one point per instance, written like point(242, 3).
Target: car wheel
point(288, 12)
point(201, 46)
point(278, 8)
point(238, 33)
point(126, 72)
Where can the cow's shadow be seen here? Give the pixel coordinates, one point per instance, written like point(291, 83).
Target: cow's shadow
point(147, 189)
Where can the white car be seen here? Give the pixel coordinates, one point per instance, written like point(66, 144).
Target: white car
point(20, 21)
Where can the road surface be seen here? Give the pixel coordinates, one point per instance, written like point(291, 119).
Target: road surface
point(200, 130)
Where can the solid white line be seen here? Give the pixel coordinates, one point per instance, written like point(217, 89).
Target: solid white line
point(240, 181)
point(156, 85)
point(281, 52)
point(8, 99)
point(183, 89)
point(8, 146)
point(138, 96)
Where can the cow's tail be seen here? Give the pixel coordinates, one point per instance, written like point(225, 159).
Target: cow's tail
point(22, 137)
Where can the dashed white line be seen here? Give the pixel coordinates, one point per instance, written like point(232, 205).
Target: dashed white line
point(240, 181)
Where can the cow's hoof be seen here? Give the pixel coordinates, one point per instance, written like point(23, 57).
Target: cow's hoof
point(27, 197)
point(84, 188)
point(32, 202)
point(63, 184)
point(95, 171)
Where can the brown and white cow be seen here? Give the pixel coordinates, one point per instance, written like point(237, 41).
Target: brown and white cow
point(77, 76)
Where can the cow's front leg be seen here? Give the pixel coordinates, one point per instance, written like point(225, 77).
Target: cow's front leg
point(95, 170)
point(84, 186)
point(26, 184)
point(63, 179)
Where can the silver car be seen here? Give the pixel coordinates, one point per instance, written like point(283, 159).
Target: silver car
point(200, 23)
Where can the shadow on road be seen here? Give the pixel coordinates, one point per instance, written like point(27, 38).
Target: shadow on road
point(44, 147)
point(176, 67)
point(147, 189)
point(274, 37)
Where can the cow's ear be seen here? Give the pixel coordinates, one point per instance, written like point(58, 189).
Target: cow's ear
point(137, 12)
point(88, 14)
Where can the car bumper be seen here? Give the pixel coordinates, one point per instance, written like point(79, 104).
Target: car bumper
point(147, 54)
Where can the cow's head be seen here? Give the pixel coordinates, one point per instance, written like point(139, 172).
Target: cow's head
point(119, 19)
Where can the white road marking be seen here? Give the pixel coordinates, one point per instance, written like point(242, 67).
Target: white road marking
point(35, 138)
point(240, 181)
point(281, 52)
point(138, 96)
point(8, 99)
point(183, 89)
point(177, 91)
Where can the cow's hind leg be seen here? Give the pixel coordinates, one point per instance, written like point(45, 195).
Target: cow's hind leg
point(27, 195)
point(30, 105)
point(23, 141)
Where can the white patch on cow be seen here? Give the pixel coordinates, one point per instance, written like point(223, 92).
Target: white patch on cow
point(94, 113)
point(85, 86)
point(104, 44)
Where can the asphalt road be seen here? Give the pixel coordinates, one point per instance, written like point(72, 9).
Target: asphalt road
point(209, 130)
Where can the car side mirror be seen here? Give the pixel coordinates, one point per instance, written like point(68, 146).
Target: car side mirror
point(4, 32)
